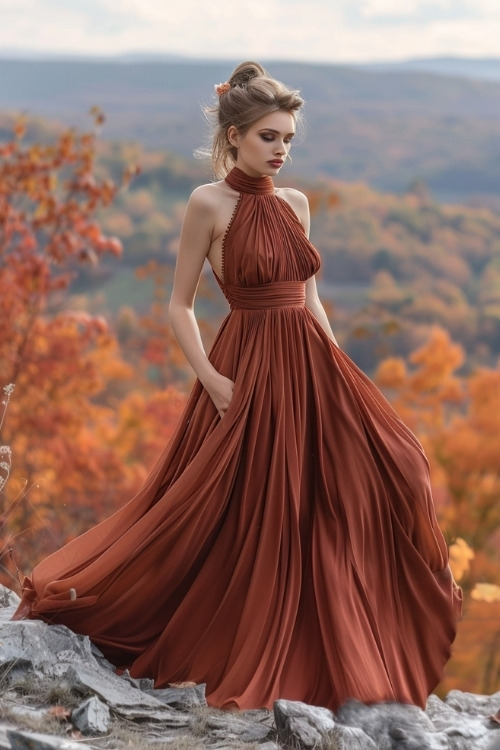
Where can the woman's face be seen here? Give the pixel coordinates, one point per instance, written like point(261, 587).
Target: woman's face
point(262, 150)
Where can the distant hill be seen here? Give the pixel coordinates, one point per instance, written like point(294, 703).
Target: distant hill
point(387, 126)
point(468, 67)
point(481, 68)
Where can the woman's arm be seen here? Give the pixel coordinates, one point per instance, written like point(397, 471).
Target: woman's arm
point(313, 303)
point(195, 241)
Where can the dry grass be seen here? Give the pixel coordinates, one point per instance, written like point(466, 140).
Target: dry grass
point(139, 737)
point(122, 735)
point(47, 725)
point(20, 691)
point(46, 692)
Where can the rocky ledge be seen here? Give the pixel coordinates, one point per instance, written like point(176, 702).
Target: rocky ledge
point(58, 692)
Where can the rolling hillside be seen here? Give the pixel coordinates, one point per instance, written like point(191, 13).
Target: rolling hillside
point(393, 265)
point(386, 127)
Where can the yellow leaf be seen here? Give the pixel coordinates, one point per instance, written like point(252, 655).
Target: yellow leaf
point(486, 592)
point(460, 556)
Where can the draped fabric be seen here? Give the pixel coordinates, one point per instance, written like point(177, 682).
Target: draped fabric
point(287, 550)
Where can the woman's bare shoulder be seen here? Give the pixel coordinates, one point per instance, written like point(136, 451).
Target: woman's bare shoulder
point(292, 195)
point(210, 194)
point(297, 201)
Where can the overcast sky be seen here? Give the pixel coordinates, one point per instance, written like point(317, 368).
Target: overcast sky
point(314, 30)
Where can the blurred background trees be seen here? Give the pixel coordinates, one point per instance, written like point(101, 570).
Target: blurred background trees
point(84, 425)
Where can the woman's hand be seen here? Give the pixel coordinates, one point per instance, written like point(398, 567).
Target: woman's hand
point(220, 389)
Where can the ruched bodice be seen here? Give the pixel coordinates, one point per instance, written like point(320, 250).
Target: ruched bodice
point(289, 549)
point(265, 241)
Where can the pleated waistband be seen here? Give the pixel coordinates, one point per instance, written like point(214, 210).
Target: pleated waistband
point(272, 295)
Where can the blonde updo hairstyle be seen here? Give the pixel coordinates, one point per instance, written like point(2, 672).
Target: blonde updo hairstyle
point(250, 93)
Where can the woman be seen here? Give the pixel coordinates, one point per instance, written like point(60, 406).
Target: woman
point(285, 545)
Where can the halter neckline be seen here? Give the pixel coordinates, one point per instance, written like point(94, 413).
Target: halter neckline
point(243, 183)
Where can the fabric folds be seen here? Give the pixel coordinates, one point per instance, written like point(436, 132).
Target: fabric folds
point(287, 550)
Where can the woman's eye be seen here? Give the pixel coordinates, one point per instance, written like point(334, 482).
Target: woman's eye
point(270, 137)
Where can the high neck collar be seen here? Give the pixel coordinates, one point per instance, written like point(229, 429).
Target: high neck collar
point(243, 183)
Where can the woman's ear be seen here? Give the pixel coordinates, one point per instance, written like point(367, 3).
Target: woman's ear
point(233, 136)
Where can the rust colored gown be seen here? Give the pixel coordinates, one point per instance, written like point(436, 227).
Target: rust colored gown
point(287, 550)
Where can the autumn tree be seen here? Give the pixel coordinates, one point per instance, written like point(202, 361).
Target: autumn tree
point(457, 418)
point(68, 434)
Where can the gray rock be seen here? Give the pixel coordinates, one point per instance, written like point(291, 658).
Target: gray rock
point(299, 723)
point(37, 715)
point(462, 729)
point(101, 659)
point(121, 697)
point(38, 643)
point(4, 740)
point(8, 599)
point(350, 738)
point(464, 719)
point(226, 726)
point(91, 717)
point(180, 698)
point(35, 741)
point(141, 683)
point(435, 706)
point(13, 671)
point(393, 725)
point(470, 703)
point(54, 651)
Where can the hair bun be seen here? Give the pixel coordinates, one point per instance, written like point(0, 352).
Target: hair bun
point(249, 94)
point(245, 72)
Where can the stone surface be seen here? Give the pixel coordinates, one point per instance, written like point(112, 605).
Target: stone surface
point(180, 698)
point(473, 704)
point(42, 665)
point(91, 717)
point(34, 741)
point(463, 730)
point(121, 697)
point(226, 726)
point(350, 738)
point(54, 652)
point(299, 723)
point(394, 725)
point(39, 644)
point(8, 600)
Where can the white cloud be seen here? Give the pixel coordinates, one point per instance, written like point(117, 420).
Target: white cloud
point(401, 8)
point(322, 30)
point(484, 7)
point(16, 5)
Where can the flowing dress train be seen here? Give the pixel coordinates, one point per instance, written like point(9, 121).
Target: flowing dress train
point(287, 550)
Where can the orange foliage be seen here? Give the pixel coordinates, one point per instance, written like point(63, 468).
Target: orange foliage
point(77, 451)
point(154, 344)
point(458, 420)
point(423, 395)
